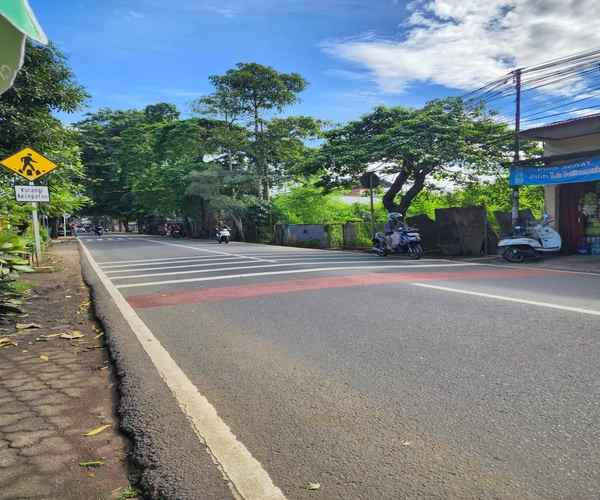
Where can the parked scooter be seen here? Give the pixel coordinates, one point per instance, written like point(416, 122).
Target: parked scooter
point(223, 235)
point(398, 237)
point(530, 241)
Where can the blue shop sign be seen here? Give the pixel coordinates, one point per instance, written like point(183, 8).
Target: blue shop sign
point(581, 171)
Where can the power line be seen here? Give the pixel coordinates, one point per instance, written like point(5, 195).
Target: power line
point(552, 108)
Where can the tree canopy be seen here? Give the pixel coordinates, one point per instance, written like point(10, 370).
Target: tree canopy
point(45, 85)
point(443, 142)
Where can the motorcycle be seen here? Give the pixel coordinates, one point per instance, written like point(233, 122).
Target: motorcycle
point(99, 231)
point(403, 239)
point(177, 232)
point(223, 235)
point(530, 241)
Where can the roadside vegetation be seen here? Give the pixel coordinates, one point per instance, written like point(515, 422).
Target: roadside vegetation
point(244, 158)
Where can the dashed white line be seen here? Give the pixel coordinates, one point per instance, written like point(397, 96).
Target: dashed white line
point(510, 299)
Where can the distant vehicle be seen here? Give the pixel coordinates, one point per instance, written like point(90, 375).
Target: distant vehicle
point(530, 241)
point(398, 237)
point(223, 235)
point(99, 230)
point(176, 231)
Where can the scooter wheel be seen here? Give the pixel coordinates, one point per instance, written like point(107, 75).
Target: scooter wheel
point(514, 255)
point(416, 252)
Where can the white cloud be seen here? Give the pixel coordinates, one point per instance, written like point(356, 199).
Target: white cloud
point(134, 14)
point(464, 43)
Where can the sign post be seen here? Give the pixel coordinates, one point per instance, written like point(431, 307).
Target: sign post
point(36, 231)
point(31, 165)
point(371, 180)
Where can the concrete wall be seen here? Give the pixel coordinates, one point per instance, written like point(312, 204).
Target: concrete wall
point(304, 235)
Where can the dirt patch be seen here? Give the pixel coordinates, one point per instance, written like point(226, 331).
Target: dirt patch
point(56, 384)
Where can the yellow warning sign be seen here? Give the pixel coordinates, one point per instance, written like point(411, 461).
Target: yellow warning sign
point(29, 164)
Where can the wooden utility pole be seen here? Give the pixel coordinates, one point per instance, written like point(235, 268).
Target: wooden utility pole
point(515, 189)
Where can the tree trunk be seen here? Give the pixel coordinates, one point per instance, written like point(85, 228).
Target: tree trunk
point(239, 227)
point(389, 198)
point(414, 190)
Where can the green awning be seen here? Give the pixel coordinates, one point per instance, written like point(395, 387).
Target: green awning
point(20, 15)
point(17, 23)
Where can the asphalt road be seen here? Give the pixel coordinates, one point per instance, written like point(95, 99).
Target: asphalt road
point(380, 378)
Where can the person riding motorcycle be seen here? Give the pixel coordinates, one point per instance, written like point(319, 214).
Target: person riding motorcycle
point(394, 223)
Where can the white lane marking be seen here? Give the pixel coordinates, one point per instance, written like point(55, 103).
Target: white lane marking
point(187, 265)
point(543, 268)
point(201, 249)
point(510, 299)
point(260, 266)
point(223, 261)
point(246, 475)
point(175, 260)
point(293, 271)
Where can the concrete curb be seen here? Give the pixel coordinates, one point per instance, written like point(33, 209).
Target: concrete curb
point(172, 464)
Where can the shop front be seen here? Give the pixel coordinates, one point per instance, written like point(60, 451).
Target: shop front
point(570, 174)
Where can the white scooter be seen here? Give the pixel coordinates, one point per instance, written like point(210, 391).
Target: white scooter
point(223, 235)
point(532, 240)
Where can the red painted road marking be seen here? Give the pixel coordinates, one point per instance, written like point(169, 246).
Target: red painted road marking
point(201, 295)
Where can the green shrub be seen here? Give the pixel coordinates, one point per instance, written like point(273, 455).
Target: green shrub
point(13, 260)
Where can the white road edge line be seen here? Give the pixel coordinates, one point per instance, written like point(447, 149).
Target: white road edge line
point(579, 310)
point(200, 249)
point(246, 475)
point(293, 271)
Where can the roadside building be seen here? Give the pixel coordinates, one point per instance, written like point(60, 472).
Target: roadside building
point(570, 173)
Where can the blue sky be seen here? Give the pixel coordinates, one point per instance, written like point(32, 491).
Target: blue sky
point(354, 53)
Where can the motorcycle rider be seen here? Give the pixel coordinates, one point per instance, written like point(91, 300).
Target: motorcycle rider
point(394, 223)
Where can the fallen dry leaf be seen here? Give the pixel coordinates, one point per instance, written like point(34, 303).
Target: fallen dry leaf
point(43, 357)
point(27, 326)
point(97, 430)
point(6, 342)
point(92, 463)
point(313, 486)
point(75, 334)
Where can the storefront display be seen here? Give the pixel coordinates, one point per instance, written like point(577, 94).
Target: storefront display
point(589, 207)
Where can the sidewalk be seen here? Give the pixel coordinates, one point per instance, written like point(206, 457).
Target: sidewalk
point(56, 385)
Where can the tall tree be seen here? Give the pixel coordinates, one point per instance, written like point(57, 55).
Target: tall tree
point(251, 91)
point(441, 142)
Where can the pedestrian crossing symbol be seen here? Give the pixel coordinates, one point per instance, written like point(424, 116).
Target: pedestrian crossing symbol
point(29, 164)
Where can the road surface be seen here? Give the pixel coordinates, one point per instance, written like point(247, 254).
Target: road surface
point(376, 378)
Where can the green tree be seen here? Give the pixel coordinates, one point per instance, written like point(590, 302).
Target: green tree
point(250, 91)
point(441, 142)
point(109, 171)
point(44, 86)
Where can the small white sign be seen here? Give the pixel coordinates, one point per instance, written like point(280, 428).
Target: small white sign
point(32, 193)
